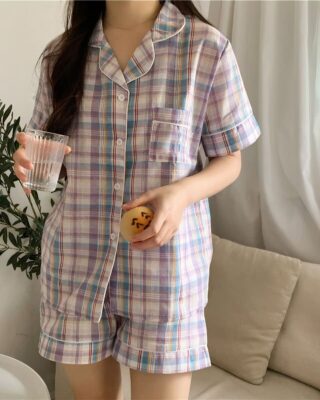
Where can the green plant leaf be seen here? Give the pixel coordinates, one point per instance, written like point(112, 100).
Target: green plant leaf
point(19, 241)
point(8, 129)
point(36, 197)
point(24, 259)
point(24, 232)
point(13, 259)
point(16, 126)
point(13, 239)
point(6, 180)
point(2, 111)
point(13, 212)
point(5, 236)
point(33, 257)
point(23, 266)
point(6, 113)
point(9, 145)
point(3, 144)
point(25, 220)
point(38, 222)
point(5, 218)
point(4, 202)
point(12, 177)
point(33, 269)
point(5, 167)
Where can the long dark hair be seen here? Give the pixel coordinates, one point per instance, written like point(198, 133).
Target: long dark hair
point(66, 58)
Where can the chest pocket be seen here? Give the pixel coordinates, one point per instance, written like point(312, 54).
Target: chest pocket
point(170, 136)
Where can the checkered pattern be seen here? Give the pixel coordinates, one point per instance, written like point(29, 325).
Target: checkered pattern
point(137, 130)
point(148, 346)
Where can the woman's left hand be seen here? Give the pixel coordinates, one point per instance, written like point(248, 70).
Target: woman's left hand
point(168, 203)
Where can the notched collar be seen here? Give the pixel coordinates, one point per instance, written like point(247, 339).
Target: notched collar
point(168, 23)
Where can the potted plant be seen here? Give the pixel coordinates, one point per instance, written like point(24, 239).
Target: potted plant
point(19, 230)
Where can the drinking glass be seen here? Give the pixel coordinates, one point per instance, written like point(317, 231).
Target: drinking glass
point(45, 150)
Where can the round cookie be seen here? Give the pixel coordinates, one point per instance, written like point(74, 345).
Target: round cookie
point(134, 221)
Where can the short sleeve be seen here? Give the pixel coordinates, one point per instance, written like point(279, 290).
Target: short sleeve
point(229, 124)
point(43, 100)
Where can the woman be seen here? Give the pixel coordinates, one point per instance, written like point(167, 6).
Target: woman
point(137, 86)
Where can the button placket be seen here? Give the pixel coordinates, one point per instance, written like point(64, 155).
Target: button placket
point(118, 185)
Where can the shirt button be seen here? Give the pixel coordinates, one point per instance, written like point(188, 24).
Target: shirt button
point(112, 236)
point(117, 186)
point(119, 142)
point(121, 97)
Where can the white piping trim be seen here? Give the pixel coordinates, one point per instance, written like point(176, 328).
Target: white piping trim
point(71, 341)
point(170, 123)
point(229, 129)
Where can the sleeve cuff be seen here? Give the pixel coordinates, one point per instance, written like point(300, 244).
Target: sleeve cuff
point(237, 138)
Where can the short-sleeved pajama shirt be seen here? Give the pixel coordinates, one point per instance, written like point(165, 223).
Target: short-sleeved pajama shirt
point(136, 130)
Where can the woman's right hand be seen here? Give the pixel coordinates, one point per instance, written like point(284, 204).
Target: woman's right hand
point(20, 159)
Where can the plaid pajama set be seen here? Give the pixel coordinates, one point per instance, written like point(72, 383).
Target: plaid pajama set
point(137, 130)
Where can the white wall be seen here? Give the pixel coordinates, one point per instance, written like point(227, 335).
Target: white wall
point(26, 27)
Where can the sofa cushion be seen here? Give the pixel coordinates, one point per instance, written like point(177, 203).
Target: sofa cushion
point(297, 350)
point(214, 383)
point(249, 294)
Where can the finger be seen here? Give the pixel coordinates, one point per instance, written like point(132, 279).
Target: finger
point(22, 177)
point(20, 159)
point(18, 136)
point(21, 138)
point(141, 200)
point(67, 150)
point(152, 230)
point(20, 173)
point(160, 239)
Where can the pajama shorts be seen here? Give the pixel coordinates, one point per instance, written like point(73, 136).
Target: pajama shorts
point(148, 346)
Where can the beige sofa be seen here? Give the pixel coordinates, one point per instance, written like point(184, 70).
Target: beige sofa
point(263, 324)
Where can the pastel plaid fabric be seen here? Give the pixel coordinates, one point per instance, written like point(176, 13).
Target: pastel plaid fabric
point(137, 130)
point(148, 346)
